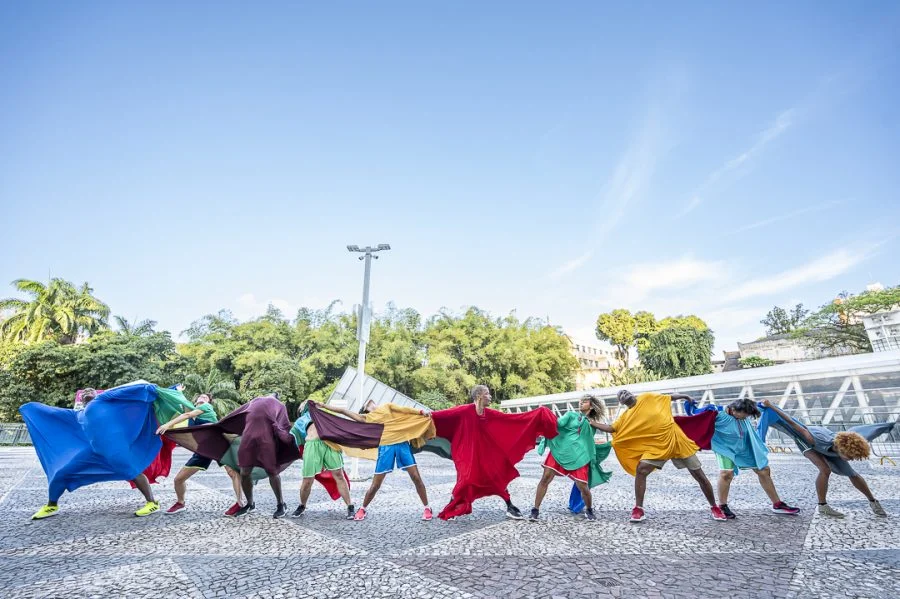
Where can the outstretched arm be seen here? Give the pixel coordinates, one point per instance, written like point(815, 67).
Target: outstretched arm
point(680, 397)
point(801, 430)
point(180, 418)
point(601, 426)
point(347, 413)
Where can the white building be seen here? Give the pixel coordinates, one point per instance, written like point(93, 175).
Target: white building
point(883, 329)
point(594, 362)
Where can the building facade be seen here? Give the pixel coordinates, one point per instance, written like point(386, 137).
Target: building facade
point(883, 329)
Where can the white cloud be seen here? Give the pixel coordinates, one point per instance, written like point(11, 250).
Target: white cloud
point(249, 306)
point(821, 269)
point(684, 272)
point(787, 216)
point(572, 265)
point(782, 123)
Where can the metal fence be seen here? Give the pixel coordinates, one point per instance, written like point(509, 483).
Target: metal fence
point(14, 434)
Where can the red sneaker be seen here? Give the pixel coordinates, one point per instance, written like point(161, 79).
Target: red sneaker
point(176, 507)
point(360, 514)
point(427, 515)
point(638, 515)
point(717, 513)
point(783, 508)
point(230, 512)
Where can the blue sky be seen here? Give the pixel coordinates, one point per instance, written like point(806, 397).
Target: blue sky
point(558, 161)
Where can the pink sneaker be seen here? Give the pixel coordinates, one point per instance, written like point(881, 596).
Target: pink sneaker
point(230, 512)
point(717, 513)
point(427, 515)
point(638, 515)
point(176, 507)
point(360, 514)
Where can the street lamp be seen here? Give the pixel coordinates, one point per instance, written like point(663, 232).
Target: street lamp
point(364, 316)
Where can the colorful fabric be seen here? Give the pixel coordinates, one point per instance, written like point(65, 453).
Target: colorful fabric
point(647, 431)
point(574, 447)
point(738, 441)
point(580, 474)
point(388, 424)
point(402, 424)
point(113, 438)
point(264, 428)
point(318, 457)
point(486, 448)
point(397, 454)
point(208, 415)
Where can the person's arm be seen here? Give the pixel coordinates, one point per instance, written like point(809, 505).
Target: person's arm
point(801, 430)
point(602, 426)
point(396, 409)
point(680, 397)
point(347, 413)
point(180, 418)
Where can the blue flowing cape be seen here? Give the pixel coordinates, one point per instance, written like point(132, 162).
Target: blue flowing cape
point(113, 438)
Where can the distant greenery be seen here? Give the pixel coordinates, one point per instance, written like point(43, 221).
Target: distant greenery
point(755, 362)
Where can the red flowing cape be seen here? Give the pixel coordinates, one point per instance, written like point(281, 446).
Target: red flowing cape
point(699, 428)
point(486, 449)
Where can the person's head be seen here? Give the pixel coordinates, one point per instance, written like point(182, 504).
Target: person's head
point(851, 446)
point(592, 406)
point(480, 394)
point(626, 398)
point(368, 407)
point(201, 399)
point(743, 408)
point(179, 387)
point(301, 409)
point(88, 396)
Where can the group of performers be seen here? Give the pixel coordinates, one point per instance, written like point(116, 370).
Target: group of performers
point(128, 434)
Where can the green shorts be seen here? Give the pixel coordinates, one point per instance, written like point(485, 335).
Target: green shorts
point(318, 457)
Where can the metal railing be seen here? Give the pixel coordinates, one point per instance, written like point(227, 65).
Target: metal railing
point(14, 434)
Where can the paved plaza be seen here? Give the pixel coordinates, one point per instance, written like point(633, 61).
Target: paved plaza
point(95, 547)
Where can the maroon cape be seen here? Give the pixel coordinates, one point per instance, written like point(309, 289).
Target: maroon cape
point(699, 428)
point(486, 449)
point(343, 431)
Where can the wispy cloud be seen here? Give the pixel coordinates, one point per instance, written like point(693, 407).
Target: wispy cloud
point(821, 269)
point(572, 265)
point(644, 278)
point(787, 216)
point(741, 163)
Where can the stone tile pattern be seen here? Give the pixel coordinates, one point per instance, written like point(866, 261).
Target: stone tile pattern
point(95, 547)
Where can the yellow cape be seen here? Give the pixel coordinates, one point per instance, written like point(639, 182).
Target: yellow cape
point(648, 431)
point(400, 424)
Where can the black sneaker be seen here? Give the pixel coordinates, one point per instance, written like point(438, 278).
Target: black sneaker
point(299, 511)
point(535, 515)
point(514, 513)
point(727, 511)
point(351, 512)
point(589, 514)
point(247, 508)
point(281, 511)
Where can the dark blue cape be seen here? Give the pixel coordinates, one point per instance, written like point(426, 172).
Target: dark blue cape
point(113, 438)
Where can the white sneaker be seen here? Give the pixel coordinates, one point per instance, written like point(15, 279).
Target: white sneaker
point(827, 510)
point(876, 507)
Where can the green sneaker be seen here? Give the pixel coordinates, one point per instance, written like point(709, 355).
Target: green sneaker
point(45, 512)
point(150, 508)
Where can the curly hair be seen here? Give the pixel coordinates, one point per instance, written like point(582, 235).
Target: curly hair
point(598, 407)
point(477, 391)
point(745, 405)
point(851, 446)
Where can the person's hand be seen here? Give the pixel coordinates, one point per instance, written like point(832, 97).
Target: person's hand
point(766, 403)
point(425, 413)
point(162, 429)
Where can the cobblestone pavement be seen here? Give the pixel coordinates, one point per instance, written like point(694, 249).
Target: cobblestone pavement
point(95, 547)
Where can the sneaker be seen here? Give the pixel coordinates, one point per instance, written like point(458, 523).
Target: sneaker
point(589, 514)
point(514, 513)
point(876, 507)
point(351, 512)
point(360, 514)
point(280, 511)
point(827, 510)
point(727, 511)
point(717, 513)
point(245, 509)
point(535, 515)
point(638, 515)
point(176, 507)
point(233, 510)
point(151, 507)
point(299, 511)
point(45, 512)
point(427, 514)
point(783, 508)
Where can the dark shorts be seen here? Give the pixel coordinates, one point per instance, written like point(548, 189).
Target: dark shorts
point(199, 462)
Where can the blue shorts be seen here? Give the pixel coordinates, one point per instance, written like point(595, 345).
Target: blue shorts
point(399, 453)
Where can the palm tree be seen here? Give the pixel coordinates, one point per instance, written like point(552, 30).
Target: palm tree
point(58, 310)
point(141, 328)
point(222, 393)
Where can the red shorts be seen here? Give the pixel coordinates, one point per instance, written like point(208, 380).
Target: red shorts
point(580, 475)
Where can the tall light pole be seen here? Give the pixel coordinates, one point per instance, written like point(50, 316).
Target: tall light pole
point(364, 317)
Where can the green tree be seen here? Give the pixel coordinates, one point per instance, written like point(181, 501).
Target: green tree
point(836, 328)
point(222, 394)
point(679, 351)
point(645, 325)
point(619, 328)
point(755, 362)
point(779, 321)
point(631, 376)
point(140, 328)
point(58, 311)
